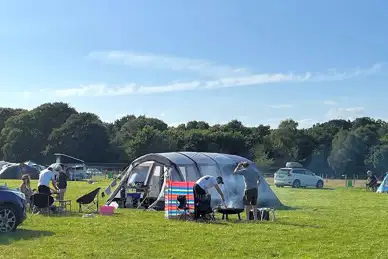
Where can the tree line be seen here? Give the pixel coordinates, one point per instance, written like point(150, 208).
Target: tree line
point(332, 148)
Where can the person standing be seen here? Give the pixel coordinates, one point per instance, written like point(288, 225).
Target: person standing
point(46, 176)
point(62, 184)
point(251, 178)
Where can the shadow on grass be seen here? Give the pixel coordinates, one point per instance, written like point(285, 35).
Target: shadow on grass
point(72, 215)
point(22, 234)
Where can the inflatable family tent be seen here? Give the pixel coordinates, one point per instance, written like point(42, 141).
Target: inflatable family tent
point(149, 179)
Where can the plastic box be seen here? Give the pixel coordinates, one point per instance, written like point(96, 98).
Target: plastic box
point(107, 210)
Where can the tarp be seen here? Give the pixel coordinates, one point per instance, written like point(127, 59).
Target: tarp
point(384, 185)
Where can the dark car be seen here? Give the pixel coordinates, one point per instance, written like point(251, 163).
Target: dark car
point(12, 209)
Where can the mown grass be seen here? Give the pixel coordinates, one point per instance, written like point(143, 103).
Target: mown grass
point(340, 223)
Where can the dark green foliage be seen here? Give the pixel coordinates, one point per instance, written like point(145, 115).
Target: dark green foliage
point(333, 148)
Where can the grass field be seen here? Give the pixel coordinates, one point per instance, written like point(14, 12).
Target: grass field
point(327, 223)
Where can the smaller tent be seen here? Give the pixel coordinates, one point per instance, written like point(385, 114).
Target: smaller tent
point(384, 185)
point(15, 171)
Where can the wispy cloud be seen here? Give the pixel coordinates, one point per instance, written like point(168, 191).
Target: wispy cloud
point(166, 62)
point(280, 106)
point(306, 123)
point(302, 123)
point(330, 102)
point(236, 81)
point(346, 113)
point(26, 94)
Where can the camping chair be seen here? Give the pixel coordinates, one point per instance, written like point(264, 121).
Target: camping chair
point(88, 201)
point(206, 213)
point(41, 203)
point(182, 205)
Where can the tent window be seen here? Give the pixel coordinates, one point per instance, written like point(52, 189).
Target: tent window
point(139, 174)
point(175, 176)
point(155, 182)
point(189, 173)
point(209, 170)
point(157, 170)
point(183, 171)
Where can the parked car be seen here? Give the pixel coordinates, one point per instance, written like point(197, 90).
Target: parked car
point(12, 209)
point(297, 177)
point(77, 173)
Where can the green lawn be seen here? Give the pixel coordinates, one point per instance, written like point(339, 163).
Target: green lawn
point(340, 223)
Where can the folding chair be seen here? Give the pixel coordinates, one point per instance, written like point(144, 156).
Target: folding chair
point(88, 201)
point(206, 213)
point(41, 203)
point(183, 206)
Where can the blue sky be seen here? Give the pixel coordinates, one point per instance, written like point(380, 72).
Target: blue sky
point(256, 61)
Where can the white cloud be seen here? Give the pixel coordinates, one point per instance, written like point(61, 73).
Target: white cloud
point(236, 81)
point(306, 123)
point(280, 106)
point(166, 62)
point(330, 102)
point(346, 113)
point(26, 94)
point(302, 123)
point(176, 124)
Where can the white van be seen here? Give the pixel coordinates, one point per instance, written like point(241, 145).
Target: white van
point(77, 173)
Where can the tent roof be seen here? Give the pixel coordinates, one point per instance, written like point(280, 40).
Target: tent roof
point(191, 158)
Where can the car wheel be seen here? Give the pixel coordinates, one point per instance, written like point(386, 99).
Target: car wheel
point(296, 184)
point(277, 186)
point(8, 219)
point(319, 184)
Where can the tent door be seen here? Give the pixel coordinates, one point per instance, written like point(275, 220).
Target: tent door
point(155, 181)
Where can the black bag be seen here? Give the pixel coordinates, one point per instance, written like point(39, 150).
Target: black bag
point(260, 214)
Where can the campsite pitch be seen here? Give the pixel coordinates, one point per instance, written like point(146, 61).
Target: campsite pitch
point(340, 223)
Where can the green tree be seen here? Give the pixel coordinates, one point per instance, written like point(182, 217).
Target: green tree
point(83, 135)
point(262, 159)
point(149, 140)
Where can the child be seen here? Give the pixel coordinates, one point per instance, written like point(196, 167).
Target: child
point(25, 187)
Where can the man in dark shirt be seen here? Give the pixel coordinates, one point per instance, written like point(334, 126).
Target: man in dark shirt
point(251, 179)
point(62, 184)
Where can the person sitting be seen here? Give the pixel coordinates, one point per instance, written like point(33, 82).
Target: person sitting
point(46, 176)
point(200, 189)
point(372, 181)
point(251, 178)
point(25, 187)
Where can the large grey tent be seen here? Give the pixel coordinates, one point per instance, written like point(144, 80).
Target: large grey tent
point(152, 171)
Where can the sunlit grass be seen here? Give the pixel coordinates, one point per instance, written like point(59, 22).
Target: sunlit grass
point(340, 223)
